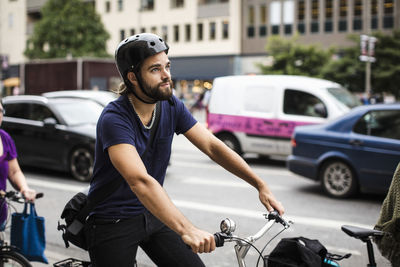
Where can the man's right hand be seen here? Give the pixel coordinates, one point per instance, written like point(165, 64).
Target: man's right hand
point(200, 241)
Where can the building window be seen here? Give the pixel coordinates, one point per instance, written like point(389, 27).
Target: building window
point(164, 33)
point(142, 30)
point(357, 12)
point(343, 8)
point(388, 8)
point(301, 17)
point(275, 16)
point(212, 30)
point(263, 14)
point(225, 29)
point(263, 31)
point(153, 30)
point(288, 16)
point(177, 3)
point(199, 31)
point(263, 21)
point(176, 33)
point(120, 5)
point(314, 16)
point(343, 15)
point(146, 5)
point(132, 32)
point(374, 14)
point(250, 31)
point(250, 21)
point(251, 15)
point(108, 7)
point(122, 35)
point(301, 10)
point(188, 32)
point(328, 16)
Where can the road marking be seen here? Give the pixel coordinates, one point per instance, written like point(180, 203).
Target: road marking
point(215, 166)
point(55, 185)
point(309, 221)
point(226, 183)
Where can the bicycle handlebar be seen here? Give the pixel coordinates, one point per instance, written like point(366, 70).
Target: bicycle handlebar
point(17, 196)
point(226, 233)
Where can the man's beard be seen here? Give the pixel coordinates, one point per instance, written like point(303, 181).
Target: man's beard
point(157, 93)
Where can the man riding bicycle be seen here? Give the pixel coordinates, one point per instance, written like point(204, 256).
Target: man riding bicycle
point(139, 212)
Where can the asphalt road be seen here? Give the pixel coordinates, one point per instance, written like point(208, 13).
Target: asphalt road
point(206, 194)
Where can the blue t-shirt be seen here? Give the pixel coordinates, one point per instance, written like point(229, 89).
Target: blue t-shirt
point(119, 124)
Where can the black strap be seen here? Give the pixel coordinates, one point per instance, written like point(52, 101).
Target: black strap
point(106, 190)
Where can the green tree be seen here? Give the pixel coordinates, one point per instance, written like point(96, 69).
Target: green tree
point(349, 71)
point(386, 70)
point(68, 27)
point(292, 58)
point(346, 68)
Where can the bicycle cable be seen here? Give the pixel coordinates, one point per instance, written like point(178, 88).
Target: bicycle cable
point(260, 256)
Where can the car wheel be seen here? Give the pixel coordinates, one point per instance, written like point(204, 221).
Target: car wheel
point(338, 179)
point(81, 164)
point(231, 142)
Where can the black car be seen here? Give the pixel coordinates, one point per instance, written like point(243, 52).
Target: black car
point(53, 133)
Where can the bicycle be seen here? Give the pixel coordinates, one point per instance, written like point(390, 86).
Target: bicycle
point(9, 255)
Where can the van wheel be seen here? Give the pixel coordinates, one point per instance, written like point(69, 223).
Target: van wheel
point(231, 142)
point(81, 164)
point(338, 179)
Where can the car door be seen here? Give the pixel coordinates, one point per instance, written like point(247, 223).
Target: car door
point(376, 142)
point(21, 129)
point(49, 142)
point(298, 108)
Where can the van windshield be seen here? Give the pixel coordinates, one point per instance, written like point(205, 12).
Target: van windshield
point(345, 96)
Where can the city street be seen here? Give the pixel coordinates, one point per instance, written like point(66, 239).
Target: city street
point(206, 194)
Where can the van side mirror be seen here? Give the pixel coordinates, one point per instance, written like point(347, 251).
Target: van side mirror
point(49, 123)
point(320, 109)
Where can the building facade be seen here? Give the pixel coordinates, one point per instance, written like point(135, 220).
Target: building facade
point(211, 38)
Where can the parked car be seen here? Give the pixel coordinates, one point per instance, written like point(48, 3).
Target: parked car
point(102, 97)
point(53, 133)
point(358, 151)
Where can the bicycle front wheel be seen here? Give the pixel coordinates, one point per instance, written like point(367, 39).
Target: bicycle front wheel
point(13, 259)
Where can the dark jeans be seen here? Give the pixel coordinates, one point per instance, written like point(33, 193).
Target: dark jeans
point(114, 243)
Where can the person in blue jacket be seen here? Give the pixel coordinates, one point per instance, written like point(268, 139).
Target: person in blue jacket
point(140, 213)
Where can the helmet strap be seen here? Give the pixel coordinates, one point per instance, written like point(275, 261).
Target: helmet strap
point(139, 81)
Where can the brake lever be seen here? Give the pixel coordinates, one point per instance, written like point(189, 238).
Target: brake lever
point(274, 215)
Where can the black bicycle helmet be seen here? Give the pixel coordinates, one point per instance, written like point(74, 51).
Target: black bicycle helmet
point(132, 51)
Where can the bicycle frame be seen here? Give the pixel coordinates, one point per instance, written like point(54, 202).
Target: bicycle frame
point(241, 248)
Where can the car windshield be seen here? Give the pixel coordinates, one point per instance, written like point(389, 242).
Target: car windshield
point(78, 111)
point(344, 96)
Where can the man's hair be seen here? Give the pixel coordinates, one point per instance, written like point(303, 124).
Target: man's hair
point(121, 90)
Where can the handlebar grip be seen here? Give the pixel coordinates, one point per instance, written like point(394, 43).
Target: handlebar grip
point(39, 195)
point(219, 239)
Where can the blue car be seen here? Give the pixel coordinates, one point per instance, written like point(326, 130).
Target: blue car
point(356, 152)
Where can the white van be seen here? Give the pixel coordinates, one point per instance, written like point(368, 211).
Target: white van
point(257, 114)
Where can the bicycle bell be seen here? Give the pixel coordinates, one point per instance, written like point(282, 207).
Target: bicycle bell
point(227, 226)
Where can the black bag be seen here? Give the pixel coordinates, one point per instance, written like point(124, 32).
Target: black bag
point(297, 252)
point(79, 206)
point(69, 214)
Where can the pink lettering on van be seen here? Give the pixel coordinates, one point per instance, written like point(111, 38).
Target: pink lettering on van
point(252, 126)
